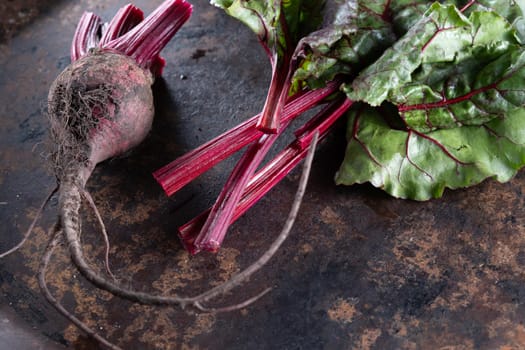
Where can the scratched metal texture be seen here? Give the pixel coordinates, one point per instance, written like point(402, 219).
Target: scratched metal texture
point(361, 270)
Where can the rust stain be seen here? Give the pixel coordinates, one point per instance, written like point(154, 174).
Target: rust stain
point(172, 280)
point(330, 217)
point(72, 333)
point(32, 249)
point(91, 307)
point(154, 327)
point(138, 213)
point(519, 334)
point(303, 250)
point(203, 323)
point(417, 245)
point(368, 338)
point(306, 248)
point(228, 266)
point(162, 324)
point(507, 332)
point(342, 311)
point(447, 340)
point(502, 254)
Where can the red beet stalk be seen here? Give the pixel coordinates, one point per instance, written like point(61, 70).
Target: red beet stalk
point(269, 121)
point(161, 25)
point(177, 174)
point(271, 174)
point(125, 19)
point(214, 230)
point(86, 35)
point(128, 33)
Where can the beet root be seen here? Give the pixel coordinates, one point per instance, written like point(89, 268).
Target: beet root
point(99, 107)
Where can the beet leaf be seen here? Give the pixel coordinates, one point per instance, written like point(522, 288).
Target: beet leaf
point(409, 164)
point(447, 71)
point(449, 100)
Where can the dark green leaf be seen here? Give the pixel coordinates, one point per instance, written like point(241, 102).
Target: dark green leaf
point(263, 17)
point(353, 35)
point(408, 164)
point(448, 71)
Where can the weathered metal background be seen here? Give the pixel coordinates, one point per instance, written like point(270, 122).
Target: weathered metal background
point(360, 271)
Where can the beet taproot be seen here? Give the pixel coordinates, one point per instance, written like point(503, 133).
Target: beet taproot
point(99, 107)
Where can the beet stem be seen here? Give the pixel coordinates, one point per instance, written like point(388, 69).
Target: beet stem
point(214, 229)
point(273, 172)
point(86, 35)
point(177, 174)
point(276, 244)
point(269, 121)
point(145, 41)
point(125, 19)
point(322, 122)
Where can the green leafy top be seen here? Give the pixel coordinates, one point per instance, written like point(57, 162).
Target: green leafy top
point(439, 88)
point(449, 100)
point(444, 43)
point(279, 24)
point(349, 42)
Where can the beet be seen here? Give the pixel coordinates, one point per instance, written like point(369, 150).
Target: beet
point(99, 107)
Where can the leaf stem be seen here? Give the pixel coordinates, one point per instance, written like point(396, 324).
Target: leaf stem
point(273, 172)
point(177, 174)
point(86, 35)
point(145, 41)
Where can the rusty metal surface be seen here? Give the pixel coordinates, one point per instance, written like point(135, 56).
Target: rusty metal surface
point(360, 271)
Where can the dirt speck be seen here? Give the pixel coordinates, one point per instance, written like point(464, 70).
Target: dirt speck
point(306, 248)
point(330, 217)
point(199, 53)
point(203, 324)
point(342, 311)
point(368, 339)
